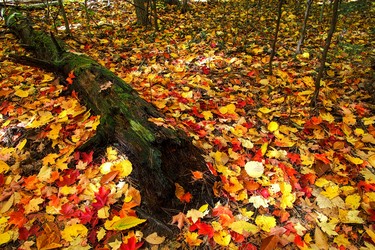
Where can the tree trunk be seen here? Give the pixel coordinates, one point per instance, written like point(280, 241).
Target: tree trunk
point(141, 11)
point(273, 49)
point(303, 32)
point(323, 59)
point(160, 156)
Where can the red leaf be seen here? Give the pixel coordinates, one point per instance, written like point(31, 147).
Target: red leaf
point(322, 157)
point(87, 215)
point(131, 245)
point(17, 218)
point(203, 229)
point(294, 158)
point(67, 178)
point(206, 70)
point(67, 210)
point(87, 157)
point(101, 198)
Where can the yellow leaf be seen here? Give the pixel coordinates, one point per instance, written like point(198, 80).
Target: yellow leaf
point(66, 190)
point(350, 216)
point(221, 158)
point(341, 240)
point(125, 168)
point(354, 160)
point(254, 169)
point(288, 198)
point(194, 215)
point(73, 231)
point(258, 201)
point(331, 191)
point(101, 233)
point(21, 144)
point(105, 168)
point(371, 160)
point(192, 239)
point(222, 238)
point(331, 73)
point(243, 226)
point(306, 55)
point(103, 213)
point(47, 78)
point(3, 167)
point(273, 126)
point(353, 201)
point(55, 130)
point(111, 154)
point(266, 223)
point(125, 223)
point(327, 117)
point(264, 148)
point(5, 237)
point(265, 110)
point(370, 233)
point(33, 205)
point(21, 93)
point(207, 115)
point(264, 81)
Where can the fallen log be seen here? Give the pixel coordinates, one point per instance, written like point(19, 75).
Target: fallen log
point(160, 156)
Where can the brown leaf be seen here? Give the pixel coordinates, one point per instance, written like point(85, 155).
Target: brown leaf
point(320, 239)
point(270, 242)
point(321, 168)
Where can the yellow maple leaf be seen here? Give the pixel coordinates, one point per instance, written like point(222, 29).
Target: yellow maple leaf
point(33, 205)
point(331, 191)
point(71, 232)
point(55, 130)
point(266, 223)
point(111, 154)
point(353, 201)
point(222, 238)
point(192, 239)
point(350, 216)
point(207, 115)
point(341, 240)
point(288, 197)
point(194, 214)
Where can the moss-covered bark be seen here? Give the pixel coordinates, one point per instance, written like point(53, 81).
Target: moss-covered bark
point(160, 156)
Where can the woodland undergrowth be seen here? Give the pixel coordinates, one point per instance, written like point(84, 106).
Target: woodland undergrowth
point(290, 176)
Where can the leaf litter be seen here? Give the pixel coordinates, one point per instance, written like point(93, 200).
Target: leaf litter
point(288, 177)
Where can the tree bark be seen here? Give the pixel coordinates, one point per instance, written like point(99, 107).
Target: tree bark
point(273, 48)
point(303, 31)
point(141, 11)
point(323, 59)
point(160, 156)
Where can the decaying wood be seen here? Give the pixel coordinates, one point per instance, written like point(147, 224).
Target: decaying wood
point(160, 156)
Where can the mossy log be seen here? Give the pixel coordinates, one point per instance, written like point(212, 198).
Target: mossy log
point(160, 156)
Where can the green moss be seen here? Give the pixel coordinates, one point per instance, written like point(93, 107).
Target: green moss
point(142, 131)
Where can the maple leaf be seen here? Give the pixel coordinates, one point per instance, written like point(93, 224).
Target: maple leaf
point(67, 177)
point(131, 244)
point(101, 198)
point(180, 219)
point(70, 78)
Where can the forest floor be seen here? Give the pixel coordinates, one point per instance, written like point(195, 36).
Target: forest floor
point(290, 176)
